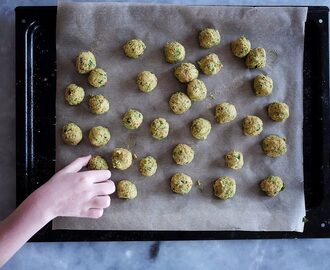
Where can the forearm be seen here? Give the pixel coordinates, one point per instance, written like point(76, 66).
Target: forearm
point(22, 224)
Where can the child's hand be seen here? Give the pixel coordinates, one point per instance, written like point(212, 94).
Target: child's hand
point(77, 194)
point(68, 193)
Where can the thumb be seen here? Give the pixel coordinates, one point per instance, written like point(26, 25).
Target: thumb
point(76, 165)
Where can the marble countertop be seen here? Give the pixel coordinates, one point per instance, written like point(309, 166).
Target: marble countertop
point(227, 254)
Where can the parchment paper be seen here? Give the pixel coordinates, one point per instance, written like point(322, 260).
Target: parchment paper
point(103, 29)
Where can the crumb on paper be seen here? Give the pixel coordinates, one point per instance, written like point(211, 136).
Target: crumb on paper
point(305, 219)
point(200, 185)
point(135, 156)
point(212, 96)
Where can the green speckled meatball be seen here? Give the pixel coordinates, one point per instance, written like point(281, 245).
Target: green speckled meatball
point(121, 159)
point(209, 38)
point(99, 136)
point(278, 111)
point(146, 81)
point(201, 128)
point(97, 77)
point(263, 85)
point(71, 134)
point(210, 64)
point(196, 90)
point(224, 187)
point(174, 52)
point(97, 163)
point(274, 146)
point(234, 160)
point(252, 125)
point(225, 113)
point(132, 119)
point(179, 103)
point(272, 185)
point(85, 62)
point(181, 183)
point(256, 58)
point(134, 48)
point(183, 154)
point(74, 94)
point(98, 104)
point(186, 72)
point(148, 166)
point(126, 190)
point(159, 128)
point(240, 47)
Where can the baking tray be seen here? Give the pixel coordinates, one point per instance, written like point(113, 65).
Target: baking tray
point(36, 119)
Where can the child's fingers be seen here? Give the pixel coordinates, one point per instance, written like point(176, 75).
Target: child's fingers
point(100, 202)
point(76, 165)
point(96, 175)
point(104, 188)
point(93, 213)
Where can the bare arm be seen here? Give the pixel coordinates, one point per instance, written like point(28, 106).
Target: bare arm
point(68, 193)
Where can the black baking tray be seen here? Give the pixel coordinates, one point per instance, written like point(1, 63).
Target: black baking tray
point(36, 119)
